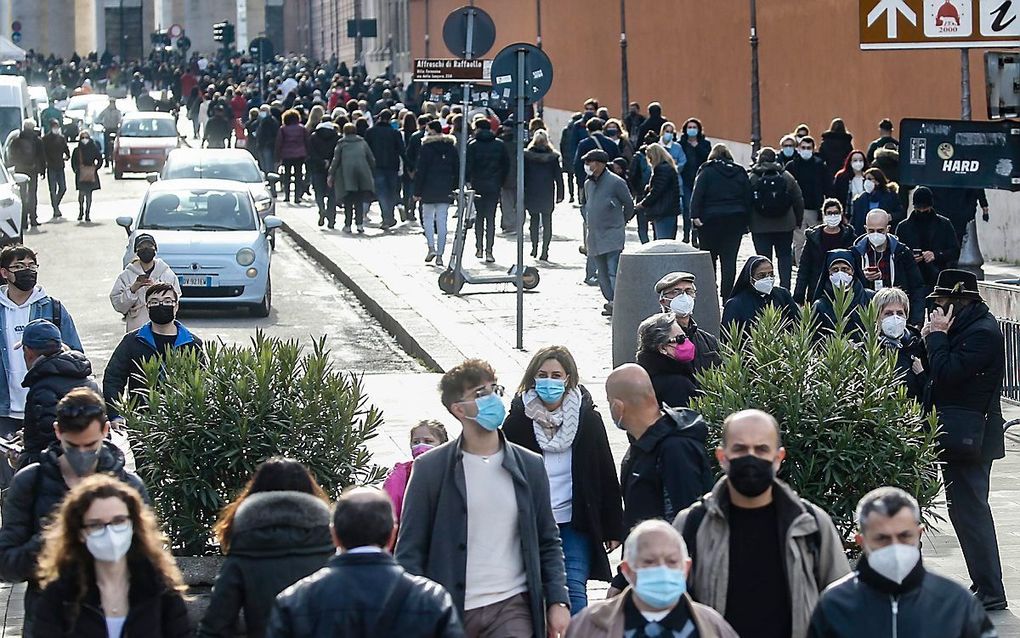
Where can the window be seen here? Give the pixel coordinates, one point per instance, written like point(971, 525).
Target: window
point(198, 210)
point(154, 127)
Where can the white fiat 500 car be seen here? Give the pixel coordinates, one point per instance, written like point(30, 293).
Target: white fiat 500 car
point(209, 233)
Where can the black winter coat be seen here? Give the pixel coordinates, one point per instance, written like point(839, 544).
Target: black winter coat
point(345, 598)
point(26, 153)
point(746, 303)
point(966, 367)
point(438, 169)
point(696, 156)
point(321, 144)
point(662, 195)
point(543, 180)
point(673, 380)
point(812, 260)
point(597, 508)
point(487, 163)
point(834, 150)
point(265, 134)
point(813, 178)
point(706, 347)
point(722, 196)
point(277, 539)
point(959, 206)
point(48, 381)
point(156, 611)
point(591, 142)
point(864, 604)
point(906, 275)
point(886, 199)
point(930, 231)
point(908, 346)
point(387, 146)
point(413, 147)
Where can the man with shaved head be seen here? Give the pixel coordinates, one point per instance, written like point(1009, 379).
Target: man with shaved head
point(666, 468)
point(761, 553)
point(885, 261)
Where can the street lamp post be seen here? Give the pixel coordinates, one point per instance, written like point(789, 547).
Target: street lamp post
point(538, 43)
point(123, 36)
point(426, 28)
point(755, 94)
point(624, 77)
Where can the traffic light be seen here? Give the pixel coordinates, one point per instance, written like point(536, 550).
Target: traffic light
point(219, 31)
point(228, 34)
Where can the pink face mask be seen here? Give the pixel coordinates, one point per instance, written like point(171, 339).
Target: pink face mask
point(421, 448)
point(684, 352)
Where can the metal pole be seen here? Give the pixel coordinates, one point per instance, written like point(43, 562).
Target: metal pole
point(522, 54)
point(357, 32)
point(755, 93)
point(469, 49)
point(965, 84)
point(121, 34)
point(426, 28)
point(538, 43)
point(624, 76)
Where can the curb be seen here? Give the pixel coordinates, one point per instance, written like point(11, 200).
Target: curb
point(409, 328)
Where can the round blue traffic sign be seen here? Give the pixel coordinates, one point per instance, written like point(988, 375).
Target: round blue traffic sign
point(538, 72)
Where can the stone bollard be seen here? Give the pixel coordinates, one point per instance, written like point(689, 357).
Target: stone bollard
point(635, 290)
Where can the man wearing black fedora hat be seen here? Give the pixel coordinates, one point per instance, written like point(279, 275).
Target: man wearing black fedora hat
point(966, 360)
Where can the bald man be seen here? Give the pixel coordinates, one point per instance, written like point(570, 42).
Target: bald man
point(761, 553)
point(885, 261)
point(666, 468)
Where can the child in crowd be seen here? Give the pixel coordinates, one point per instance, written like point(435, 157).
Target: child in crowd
point(424, 436)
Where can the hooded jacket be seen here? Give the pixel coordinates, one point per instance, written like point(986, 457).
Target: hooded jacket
point(864, 604)
point(487, 163)
point(543, 180)
point(812, 260)
point(813, 179)
point(809, 569)
point(888, 161)
point(793, 217)
point(903, 273)
point(930, 231)
point(277, 539)
point(597, 506)
point(673, 380)
point(662, 195)
point(833, 150)
point(722, 196)
point(48, 380)
point(438, 169)
point(352, 167)
point(321, 144)
point(825, 295)
point(746, 303)
point(132, 304)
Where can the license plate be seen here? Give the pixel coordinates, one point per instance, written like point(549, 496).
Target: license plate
point(147, 162)
point(195, 281)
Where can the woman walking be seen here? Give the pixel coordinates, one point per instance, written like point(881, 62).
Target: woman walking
point(553, 415)
point(292, 151)
point(543, 189)
point(696, 148)
point(661, 201)
point(435, 179)
point(848, 184)
point(86, 160)
point(350, 176)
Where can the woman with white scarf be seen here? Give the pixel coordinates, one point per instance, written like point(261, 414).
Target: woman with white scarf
point(553, 415)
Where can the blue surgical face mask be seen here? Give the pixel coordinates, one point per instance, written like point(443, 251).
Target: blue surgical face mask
point(550, 390)
point(667, 137)
point(491, 412)
point(395, 125)
point(788, 151)
point(692, 131)
point(660, 586)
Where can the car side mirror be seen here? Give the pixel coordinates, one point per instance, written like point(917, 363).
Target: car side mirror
point(272, 222)
point(125, 221)
point(272, 178)
point(21, 178)
point(152, 178)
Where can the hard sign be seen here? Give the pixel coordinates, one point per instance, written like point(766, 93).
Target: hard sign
point(262, 49)
point(455, 32)
point(960, 154)
point(538, 72)
point(450, 70)
point(938, 24)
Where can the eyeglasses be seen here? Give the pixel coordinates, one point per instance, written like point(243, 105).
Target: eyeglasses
point(117, 524)
point(23, 267)
point(158, 304)
point(762, 276)
point(676, 292)
point(485, 391)
point(75, 411)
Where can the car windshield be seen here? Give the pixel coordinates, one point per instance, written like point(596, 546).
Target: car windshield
point(10, 120)
point(198, 209)
point(235, 169)
point(148, 127)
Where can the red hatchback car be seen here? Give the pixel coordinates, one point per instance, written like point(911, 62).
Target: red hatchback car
point(143, 143)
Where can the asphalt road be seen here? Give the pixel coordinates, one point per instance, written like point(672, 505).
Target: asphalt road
point(79, 263)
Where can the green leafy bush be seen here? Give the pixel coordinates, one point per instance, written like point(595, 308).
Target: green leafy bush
point(208, 424)
point(848, 426)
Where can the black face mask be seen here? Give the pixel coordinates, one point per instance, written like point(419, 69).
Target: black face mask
point(25, 280)
point(750, 475)
point(146, 254)
point(162, 315)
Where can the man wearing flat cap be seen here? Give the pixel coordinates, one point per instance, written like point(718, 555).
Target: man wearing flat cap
point(677, 293)
point(967, 362)
point(607, 206)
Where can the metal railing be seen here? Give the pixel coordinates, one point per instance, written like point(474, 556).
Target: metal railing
point(1011, 381)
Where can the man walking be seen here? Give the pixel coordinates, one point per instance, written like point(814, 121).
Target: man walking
point(27, 155)
point(110, 118)
point(487, 167)
point(128, 293)
point(762, 554)
point(931, 237)
point(891, 587)
point(478, 519)
point(677, 293)
point(810, 172)
point(388, 148)
point(607, 207)
point(966, 367)
point(56, 152)
point(363, 591)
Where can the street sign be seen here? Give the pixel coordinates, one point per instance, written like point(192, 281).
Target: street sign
point(455, 32)
point(1002, 84)
point(369, 28)
point(262, 50)
point(960, 153)
point(538, 72)
point(938, 24)
point(450, 70)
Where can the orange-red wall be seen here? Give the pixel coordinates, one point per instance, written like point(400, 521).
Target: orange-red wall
point(694, 57)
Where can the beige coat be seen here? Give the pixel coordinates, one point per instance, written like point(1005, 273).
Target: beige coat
point(712, 553)
point(605, 618)
point(132, 304)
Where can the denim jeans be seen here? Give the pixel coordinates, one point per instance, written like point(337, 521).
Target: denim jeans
point(386, 183)
point(485, 220)
point(642, 226)
point(782, 243)
point(267, 162)
point(606, 263)
point(664, 228)
point(541, 219)
point(58, 186)
point(434, 223)
point(508, 209)
point(577, 560)
point(685, 195)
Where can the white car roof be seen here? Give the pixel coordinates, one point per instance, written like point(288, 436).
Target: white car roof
point(194, 184)
point(148, 115)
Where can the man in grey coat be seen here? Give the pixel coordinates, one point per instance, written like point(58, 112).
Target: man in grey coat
point(477, 519)
point(607, 207)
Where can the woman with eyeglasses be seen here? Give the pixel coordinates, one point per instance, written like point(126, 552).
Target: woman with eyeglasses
point(555, 416)
point(104, 568)
point(666, 354)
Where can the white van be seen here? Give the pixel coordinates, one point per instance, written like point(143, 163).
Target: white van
point(15, 103)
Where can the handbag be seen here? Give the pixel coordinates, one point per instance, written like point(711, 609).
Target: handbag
point(962, 433)
point(87, 173)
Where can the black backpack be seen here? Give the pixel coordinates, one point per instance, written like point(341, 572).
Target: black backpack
point(771, 198)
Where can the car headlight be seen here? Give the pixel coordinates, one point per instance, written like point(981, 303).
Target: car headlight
point(246, 257)
point(262, 205)
point(124, 150)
